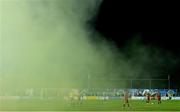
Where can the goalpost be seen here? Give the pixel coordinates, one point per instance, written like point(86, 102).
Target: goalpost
point(153, 83)
point(143, 83)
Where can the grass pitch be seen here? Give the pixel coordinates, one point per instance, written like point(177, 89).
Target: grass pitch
point(89, 105)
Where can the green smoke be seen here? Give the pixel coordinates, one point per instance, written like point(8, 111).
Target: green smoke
point(48, 43)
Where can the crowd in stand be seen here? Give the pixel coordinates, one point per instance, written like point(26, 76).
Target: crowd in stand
point(49, 92)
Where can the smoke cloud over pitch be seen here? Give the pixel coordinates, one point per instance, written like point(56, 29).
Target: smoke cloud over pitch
point(48, 43)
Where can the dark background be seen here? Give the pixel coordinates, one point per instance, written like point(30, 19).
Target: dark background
point(156, 23)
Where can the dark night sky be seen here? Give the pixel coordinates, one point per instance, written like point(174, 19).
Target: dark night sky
point(156, 24)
